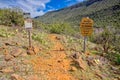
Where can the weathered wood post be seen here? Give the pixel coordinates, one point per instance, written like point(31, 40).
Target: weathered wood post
point(28, 26)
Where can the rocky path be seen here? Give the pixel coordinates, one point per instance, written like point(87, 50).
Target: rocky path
point(51, 63)
point(56, 67)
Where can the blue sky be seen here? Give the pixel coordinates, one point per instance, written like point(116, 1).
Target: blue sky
point(37, 7)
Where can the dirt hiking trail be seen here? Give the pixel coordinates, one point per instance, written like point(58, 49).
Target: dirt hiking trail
point(57, 66)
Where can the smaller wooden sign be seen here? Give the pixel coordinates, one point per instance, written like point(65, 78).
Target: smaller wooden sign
point(28, 23)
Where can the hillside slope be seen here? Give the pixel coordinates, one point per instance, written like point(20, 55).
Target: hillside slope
point(54, 57)
point(103, 12)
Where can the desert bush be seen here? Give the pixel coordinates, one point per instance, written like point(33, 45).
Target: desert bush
point(114, 57)
point(57, 27)
point(105, 39)
point(61, 28)
point(39, 37)
point(5, 33)
point(117, 59)
point(42, 39)
point(109, 40)
point(10, 17)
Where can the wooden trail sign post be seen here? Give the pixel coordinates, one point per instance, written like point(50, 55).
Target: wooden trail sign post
point(28, 26)
point(86, 29)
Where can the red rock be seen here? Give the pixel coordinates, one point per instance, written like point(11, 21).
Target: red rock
point(8, 57)
point(33, 50)
point(90, 60)
point(30, 52)
point(16, 68)
point(58, 38)
point(1, 48)
point(7, 70)
point(99, 74)
point(4, 47)
point(24, 54)
point(16, 77)
point(87, 53)
point(82, 63)
point(73, 68)
point(75, 55)
point(61, 49)
point(36, 49)
point(33, 77)
point(6, 52)
point(83, 77)
point(25, 61)
point(16, 52)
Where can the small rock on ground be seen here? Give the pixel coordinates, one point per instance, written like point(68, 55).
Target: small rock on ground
point(16, 77)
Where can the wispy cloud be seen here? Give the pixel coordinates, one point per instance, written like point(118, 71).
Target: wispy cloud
point(50, 8)
point(35, 7)
point(80, 0)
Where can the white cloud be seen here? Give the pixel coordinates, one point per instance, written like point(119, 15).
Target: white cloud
point(79, 0)
point(34, 14)
point(31, 6)
point(51, 8)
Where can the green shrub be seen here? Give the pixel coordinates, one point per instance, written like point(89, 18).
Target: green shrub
point(114, 57)
point(39, 37)
point(10, 17)
point(117, 59)
point(109, 40)
point(105, 39)
point(42, 39)
point(5, 33)
point(57, 27)
point(61, 28)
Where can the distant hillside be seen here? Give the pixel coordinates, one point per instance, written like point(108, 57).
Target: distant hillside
point(103, 12)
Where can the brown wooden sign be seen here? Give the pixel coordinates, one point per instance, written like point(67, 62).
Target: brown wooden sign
point(86, 26)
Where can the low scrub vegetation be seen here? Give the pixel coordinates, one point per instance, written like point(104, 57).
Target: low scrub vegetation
point(42, 39)
point(11, 17)
point(109, 40)
point(5, 33)
point(58, 27)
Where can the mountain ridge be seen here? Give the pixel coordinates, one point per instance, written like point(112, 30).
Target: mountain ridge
point(73, 14)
